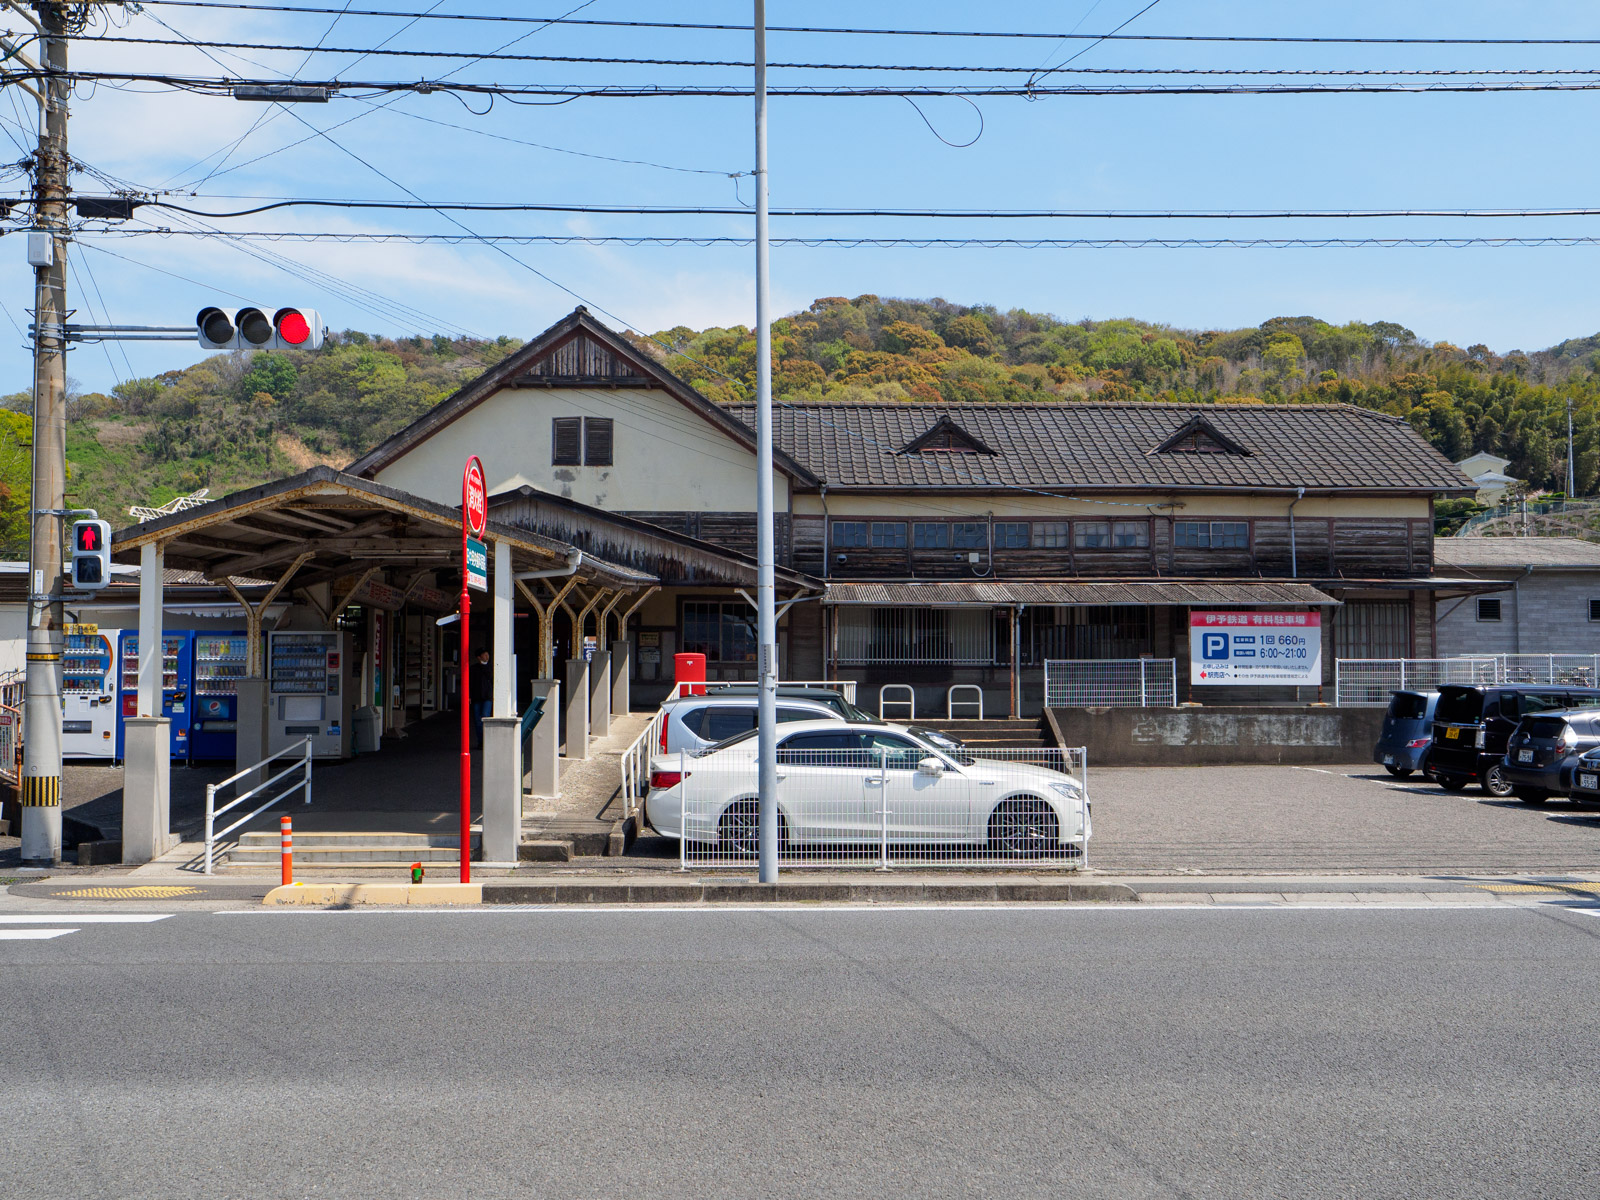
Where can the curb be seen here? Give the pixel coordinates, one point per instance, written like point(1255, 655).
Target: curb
point(336, 894)
point(693, 892)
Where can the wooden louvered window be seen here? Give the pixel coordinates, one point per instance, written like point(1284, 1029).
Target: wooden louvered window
point(566, 441)
point(597, 437)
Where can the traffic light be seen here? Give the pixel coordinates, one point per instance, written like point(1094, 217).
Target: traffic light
point(91, 554)
point(258, 328)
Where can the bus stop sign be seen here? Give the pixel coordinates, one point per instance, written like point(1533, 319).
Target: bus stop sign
point(474, 497)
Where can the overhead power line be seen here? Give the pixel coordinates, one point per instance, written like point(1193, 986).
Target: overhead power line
point(850, 243)
point(566, 92)
point(827, 66)
point(1191, 214)
point(1034, 35)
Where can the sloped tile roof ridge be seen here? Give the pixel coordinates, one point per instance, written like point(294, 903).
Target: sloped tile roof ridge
point(1188, 406)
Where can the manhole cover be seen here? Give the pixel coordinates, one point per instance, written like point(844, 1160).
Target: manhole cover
point(141, 892)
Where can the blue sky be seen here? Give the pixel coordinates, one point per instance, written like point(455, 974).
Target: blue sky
point(1123, 152)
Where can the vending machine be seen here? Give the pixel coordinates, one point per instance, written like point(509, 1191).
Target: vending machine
point(88, 694)
point(219, 664)
point(308, 694)
point(177, 649)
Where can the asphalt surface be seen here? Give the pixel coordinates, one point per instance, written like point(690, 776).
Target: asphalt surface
point(1126, 1051)
point(1263, 819)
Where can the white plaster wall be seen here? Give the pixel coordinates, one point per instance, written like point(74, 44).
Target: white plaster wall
point(666, 458)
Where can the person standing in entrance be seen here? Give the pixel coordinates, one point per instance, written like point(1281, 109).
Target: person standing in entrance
point(481, 681)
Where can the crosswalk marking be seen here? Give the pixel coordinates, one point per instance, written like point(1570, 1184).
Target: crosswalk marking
point(31, 935)
point(82, 918)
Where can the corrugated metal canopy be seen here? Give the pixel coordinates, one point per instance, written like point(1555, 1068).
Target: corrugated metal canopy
point(969, 594)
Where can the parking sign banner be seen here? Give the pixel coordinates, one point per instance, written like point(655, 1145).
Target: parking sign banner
point(1251, 649)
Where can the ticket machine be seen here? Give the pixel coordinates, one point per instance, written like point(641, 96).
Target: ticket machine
point(308, 694)
point(88, 694)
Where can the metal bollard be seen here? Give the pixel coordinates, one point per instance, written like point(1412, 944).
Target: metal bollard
point(288, 850)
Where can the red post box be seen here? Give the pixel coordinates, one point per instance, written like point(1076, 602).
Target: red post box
point(689, 674)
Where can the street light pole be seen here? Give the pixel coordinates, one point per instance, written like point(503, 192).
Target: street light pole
point(41, 762)
point(766, 618)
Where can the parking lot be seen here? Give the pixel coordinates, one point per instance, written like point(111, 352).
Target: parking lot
point(1354, 818)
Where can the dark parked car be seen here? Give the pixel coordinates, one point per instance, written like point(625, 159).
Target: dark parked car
point(1544, 751)
point(1407, 733)
point(1586, 779)
point(1472, 724)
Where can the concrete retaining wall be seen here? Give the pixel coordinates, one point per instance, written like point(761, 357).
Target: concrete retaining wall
point(1218, 736)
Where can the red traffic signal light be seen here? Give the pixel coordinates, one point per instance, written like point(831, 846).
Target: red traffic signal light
point(298, 328)
point(91, 554)
point(88, 538)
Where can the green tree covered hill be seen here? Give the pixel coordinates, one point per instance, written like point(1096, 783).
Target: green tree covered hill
point(234, 420)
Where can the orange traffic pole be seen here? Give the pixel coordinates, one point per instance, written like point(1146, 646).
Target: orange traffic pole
point(288, 850)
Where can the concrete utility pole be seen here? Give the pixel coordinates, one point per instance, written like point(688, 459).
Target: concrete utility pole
point(41, 763)
point(766, 598)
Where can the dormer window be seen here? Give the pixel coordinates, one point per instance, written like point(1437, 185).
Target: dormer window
point(946, 437)
point(1200, 436)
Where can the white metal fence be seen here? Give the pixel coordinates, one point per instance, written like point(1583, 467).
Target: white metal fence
point(300, 765)
point(1110, 683)
point(10, 741)
point(1367, 682)
point(881, 805)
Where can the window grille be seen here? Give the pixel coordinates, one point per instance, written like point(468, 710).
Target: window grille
point(1489, 608)
point(889, 535)
point(1594, 610)
point(849, 533)
point(1051, 535)
point(915, 635)
point(927, 536)
point(1011, 535)
point(1372, 629)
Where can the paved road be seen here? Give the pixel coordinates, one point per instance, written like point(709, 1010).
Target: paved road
point(801, 1053)
point(1261, 819)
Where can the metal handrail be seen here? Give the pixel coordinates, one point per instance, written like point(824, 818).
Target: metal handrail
point(213, 812)
point(635, 762)
point(950, 700)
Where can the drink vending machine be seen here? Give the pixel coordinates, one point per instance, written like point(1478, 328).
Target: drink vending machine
point(308, 694)
point(219, 664)
point(88, 694)
point(177, 657)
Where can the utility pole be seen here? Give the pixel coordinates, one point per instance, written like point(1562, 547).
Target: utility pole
point(1571, 474)
point(766, 599)
point(41, 763)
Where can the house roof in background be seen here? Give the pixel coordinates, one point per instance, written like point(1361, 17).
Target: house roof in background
point(1516, 553)
point(1111, 447)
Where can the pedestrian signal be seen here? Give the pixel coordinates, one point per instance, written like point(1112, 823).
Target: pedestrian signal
point(91, 554)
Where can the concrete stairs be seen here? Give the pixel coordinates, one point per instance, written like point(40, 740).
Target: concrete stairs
point(344, 851)
point(1005, 734)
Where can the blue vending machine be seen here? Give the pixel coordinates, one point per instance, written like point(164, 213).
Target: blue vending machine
point(177, 671)
point(219, 664)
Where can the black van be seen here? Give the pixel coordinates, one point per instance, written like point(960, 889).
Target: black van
point(1471, 726)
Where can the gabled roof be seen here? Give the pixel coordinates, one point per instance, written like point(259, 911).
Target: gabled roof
point(1089, 447)
point(577, 351)
point(1199, 436)
point(945, 430)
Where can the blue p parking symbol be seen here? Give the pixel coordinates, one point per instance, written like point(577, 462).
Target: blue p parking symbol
point(1214, 646)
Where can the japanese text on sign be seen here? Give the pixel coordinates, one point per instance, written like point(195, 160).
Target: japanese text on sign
point(1246, 649)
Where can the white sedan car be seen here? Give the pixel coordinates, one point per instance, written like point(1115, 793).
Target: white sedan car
point(854, 783)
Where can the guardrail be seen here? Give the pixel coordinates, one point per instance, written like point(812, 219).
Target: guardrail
point(883, 807)
point(1110, 683)
point(213, 812)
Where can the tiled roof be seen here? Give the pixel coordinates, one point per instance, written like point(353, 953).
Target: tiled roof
point(940, 593)
point(1491, 553)
point(1088, 446)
